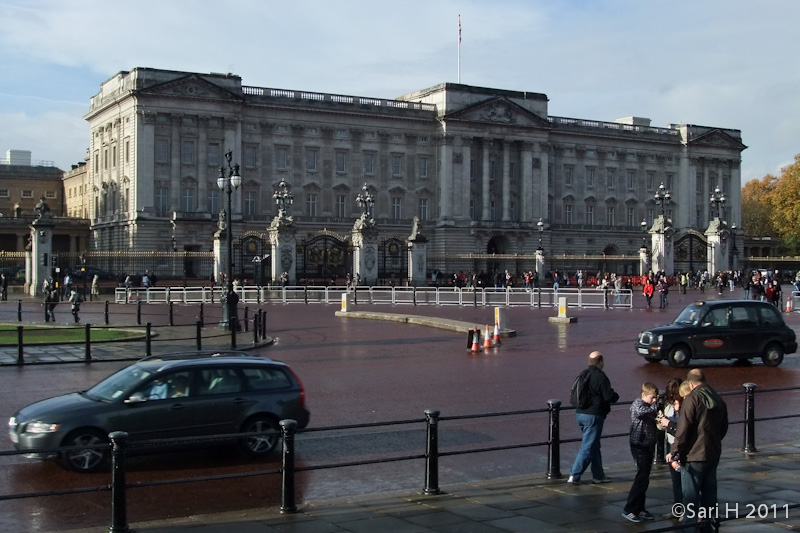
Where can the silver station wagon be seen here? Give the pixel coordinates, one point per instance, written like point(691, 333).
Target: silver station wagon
point(165, 397)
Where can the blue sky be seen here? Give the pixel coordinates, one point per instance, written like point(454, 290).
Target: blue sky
point(726, 63)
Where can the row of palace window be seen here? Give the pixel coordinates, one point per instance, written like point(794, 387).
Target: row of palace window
point(110, 156)
point(188, 203)
point(249, 160)
point(591, 181)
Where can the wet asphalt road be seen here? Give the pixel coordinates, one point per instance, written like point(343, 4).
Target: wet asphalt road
point(359, 371)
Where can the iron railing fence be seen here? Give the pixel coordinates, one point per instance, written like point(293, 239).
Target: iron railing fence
point(431, 423)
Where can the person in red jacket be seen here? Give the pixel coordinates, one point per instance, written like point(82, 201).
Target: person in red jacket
point(648, 291)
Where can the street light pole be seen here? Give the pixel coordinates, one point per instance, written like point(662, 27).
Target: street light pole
point(717, 201)
point(540, 225)
point(644, 234)
point(229, 180)
point(662, 197)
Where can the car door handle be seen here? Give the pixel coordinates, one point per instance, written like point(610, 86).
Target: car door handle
point(239, 400)
point(177, 406)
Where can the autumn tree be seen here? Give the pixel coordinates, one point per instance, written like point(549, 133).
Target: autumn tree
point(756, 207)
point(785, 203)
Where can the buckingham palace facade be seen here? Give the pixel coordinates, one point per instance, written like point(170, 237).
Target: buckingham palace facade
point(479, 167)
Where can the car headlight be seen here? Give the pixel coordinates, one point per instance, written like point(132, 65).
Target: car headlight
point(40, 427)
point(12, 422)
point(660, 339)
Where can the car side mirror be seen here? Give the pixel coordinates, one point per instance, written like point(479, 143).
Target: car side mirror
point(136, 397)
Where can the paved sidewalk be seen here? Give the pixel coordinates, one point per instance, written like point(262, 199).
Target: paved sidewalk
point(749, 486)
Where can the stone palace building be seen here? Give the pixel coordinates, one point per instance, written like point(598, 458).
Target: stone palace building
point(479, 167)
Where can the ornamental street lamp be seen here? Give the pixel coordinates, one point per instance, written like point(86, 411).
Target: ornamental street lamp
point(717, 202)
point(366, 201)
point(540, 225)
point(283, 198)
point(662, 197)
point(229, 180)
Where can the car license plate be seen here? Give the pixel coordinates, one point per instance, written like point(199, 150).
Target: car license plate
point(643, 351)
point(13, 436)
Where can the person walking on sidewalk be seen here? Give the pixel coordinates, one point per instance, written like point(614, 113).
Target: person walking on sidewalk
point(643, 437)
point(702, 425)
point(75, 299)
point(590, 420)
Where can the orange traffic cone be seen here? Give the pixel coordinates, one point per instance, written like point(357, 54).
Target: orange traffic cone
point(789, 304)
point(475, 335)
point(487, 339)
point(496, 339)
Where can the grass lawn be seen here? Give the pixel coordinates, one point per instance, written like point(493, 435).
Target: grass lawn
point(60, 335)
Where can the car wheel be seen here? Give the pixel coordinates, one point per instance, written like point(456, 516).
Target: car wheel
point(679, 356)
point(652, 359)
point(87, 459)
point(773, 355)
point(260, 445)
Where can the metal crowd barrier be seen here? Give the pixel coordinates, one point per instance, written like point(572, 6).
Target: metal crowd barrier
point(486, 297)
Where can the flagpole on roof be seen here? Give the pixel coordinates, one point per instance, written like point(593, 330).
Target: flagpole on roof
point(459, 48)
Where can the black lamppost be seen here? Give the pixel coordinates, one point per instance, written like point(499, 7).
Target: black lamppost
point(662, 197)
point(540, 225)
point(366, 201)
point(83, 268)
point(282, 197)
point(734, 251)
point(717, 202)
point(228, 180)
point(644, 234)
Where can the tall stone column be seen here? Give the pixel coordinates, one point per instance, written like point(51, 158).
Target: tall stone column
point(41, 252)
point(717, 257)
point(486, 211)
point(526, 171)
point(365, 254)
point(283, 239)
point(417, 256)
point(662, 233)
point(506, 180)
point(448, 189)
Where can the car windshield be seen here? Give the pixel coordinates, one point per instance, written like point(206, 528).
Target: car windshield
point(117, 384)
point(691, 315)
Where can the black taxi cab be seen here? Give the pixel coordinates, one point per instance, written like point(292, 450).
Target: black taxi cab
point(725, 329)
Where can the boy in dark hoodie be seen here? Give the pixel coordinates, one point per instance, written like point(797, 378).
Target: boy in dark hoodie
point(643, 440)
point(698, 444)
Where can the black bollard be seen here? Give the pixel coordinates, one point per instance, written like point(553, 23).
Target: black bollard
point(749, 418)
point(246, 320)
point(199, 335)
point(202, 318)
point(432, 452)
point(255, 327)
point(87, 355)
point(554, 440)
point(105, 313)
point(19, 310)
point(171, 315)
point(20, 356)
point(264, 326)
point(288, 427)
point(119, 508)
point(139, 313)
point(414, 289)
point(148, 344)
point(305, 294)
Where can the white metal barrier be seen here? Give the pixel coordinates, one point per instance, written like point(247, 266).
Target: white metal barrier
point(488, 297)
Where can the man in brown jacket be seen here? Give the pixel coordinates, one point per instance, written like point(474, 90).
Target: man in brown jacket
point(702, 425)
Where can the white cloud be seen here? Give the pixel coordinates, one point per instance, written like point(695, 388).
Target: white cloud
point(716, 63)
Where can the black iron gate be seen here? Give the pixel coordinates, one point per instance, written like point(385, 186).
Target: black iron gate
point(393, 265)
point(323, 259)
point(254, 263)
point(691, 252)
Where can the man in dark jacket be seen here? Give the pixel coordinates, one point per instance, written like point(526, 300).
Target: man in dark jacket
point(702, 425)
point(591, 420)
